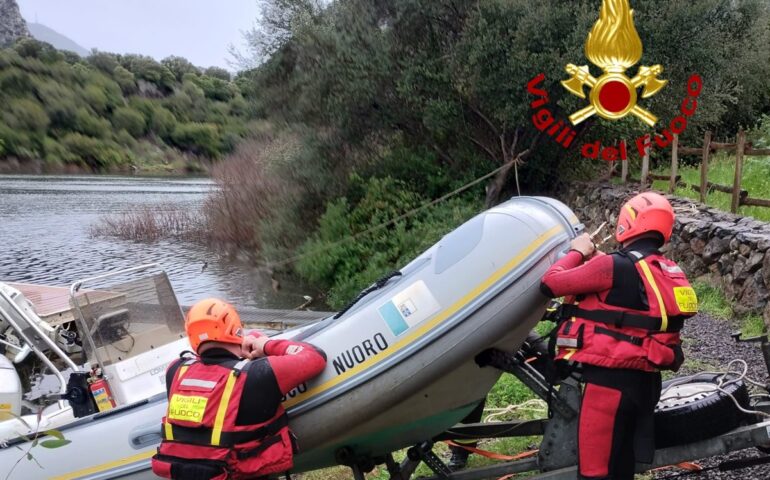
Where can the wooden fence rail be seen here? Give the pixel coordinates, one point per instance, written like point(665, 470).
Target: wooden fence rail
point(741, 148)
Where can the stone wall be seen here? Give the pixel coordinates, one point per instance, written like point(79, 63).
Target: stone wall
point(729, 251)
point(12, 25)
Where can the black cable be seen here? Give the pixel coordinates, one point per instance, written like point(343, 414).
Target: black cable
point(374, 287)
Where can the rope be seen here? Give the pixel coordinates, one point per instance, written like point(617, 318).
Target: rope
point(493, 455)
point(389, 222)
point(535, 405)
point(723, 382)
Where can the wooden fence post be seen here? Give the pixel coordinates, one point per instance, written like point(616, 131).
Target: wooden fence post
point(624, 171)
point(674, 164)
point(741, 149)
point(646, 161)
point(704, 167)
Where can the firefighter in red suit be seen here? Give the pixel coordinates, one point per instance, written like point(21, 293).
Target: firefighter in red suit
point(224, 417)
point(620, 327)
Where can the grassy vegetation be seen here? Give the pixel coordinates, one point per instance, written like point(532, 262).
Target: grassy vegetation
point(713, 301)
point(722, 171)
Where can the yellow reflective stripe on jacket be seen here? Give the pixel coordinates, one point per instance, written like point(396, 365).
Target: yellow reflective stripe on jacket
point(216, 433)
point(167, 427)
point(651, 280)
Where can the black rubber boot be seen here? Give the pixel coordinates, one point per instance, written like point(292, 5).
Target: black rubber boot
point(459, 458)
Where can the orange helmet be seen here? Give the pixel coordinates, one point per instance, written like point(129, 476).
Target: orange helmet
point(213, 320)
point(646, 212)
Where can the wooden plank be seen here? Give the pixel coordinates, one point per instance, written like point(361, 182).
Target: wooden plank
point(704, 166)
point(738, 171)
point(719, 188)
point(690, 151)
point(654, 176)
point(674, 164)
point(716, 146)
point(758, 152)
point(646, 161)
point(755, 202)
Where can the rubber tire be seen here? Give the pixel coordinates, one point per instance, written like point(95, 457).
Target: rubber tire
point(702, 418)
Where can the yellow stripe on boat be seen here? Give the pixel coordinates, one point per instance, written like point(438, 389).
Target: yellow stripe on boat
point(105, 466)
point(439, 318)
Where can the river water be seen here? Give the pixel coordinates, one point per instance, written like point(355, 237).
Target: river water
point(45, 238)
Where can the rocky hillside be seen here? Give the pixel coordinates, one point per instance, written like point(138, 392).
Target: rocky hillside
point(12, 25)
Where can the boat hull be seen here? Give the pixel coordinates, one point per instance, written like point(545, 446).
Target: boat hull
point(401, 363)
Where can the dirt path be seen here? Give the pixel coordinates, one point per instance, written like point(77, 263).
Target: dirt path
point(709, 346)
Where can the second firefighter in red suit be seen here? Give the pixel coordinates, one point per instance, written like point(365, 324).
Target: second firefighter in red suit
point(620, 327)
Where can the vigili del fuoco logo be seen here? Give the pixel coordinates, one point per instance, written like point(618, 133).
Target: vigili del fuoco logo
point(614, 46)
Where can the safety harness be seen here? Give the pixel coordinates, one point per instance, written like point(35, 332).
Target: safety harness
point(200, 435)
point(636, 324)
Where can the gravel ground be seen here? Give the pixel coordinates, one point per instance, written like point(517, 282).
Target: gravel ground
point(709, 346)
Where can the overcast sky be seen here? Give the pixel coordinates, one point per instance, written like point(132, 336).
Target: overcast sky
point(199, 30)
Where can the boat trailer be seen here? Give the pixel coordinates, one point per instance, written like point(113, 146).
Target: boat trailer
point(557, 456)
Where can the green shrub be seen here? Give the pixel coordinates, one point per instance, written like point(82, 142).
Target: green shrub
point(215, 88)
point(162, 122)
point(126, 139)
point(218, 72)
point(200, 138)
point(90, 124)
point(15, 82)
point(106, 62)
point(96, 98)
point(125, 80)
point(56, 153)
point(179, 66)
point(18, 143)
point(344, 266)
point(93, 152)
point(25, 114)
point(32, 48)
point(130, 120)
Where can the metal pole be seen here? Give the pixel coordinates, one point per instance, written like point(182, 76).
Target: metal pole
point(40, 355)
point(33, 325)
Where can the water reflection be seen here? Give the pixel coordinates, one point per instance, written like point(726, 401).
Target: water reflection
point(44, 238)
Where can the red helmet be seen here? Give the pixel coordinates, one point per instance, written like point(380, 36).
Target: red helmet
point(646, 212)
point(213, 320)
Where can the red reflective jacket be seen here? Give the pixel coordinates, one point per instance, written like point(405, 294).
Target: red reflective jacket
point(200, 435)
point(634, 322)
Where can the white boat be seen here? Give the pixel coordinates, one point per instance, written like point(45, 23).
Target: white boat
point(400, 367)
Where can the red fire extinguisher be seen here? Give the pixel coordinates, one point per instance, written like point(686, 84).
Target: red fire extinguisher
point(101, 392)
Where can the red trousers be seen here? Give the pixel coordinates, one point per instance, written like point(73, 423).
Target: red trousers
point(616, 428)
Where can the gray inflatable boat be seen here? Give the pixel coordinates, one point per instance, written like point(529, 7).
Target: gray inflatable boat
point(400, 367)
point(401, 361)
